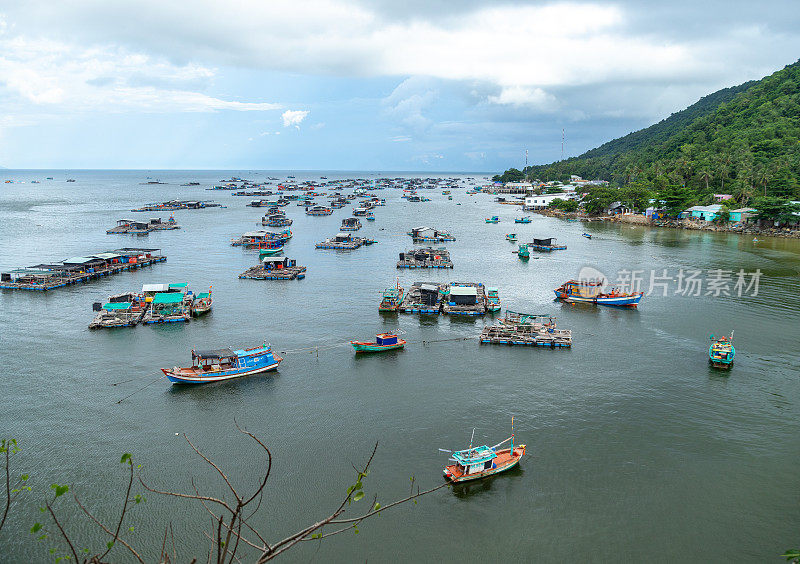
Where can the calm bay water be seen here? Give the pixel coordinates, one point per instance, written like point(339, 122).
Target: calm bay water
point(637, 450)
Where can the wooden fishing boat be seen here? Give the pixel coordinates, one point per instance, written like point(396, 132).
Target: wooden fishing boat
point(383, 342)
point(492, 300)
point(525, 219)
point(511, 237)
point(523, 252)
point(475, 463)
point(587, 235)
point(591, 291)
point(224, 364)
point(391, 299)
point(493, 219)
point(370, 216)
point(202, 303)
point(721, 352)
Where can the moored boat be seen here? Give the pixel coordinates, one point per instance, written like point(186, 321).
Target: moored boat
point(475, 463)
point(224, 364)
point(523, 252)
point(525, 219)
point(591, 291)
point(493, 219)
point(511, 237)
point(721, 352)
point(492, 300)
point(202, 303)
point(391, 299)
point(383, 342)
point(587, 235)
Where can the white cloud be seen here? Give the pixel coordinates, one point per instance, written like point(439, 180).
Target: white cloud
point(63, 77)
point(525, 96)
point(294, 117)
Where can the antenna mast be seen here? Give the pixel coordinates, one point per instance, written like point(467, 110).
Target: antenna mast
point(562, 143)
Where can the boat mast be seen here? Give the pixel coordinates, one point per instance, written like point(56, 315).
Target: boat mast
point(512, 435)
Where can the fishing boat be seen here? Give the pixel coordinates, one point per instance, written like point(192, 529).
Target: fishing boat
point(202, 303)
point(383, 342)
point(475, 463)
point(493, 219)
point(370, 216)
point(587, 235)
point(721, 352)
point(268, 252)
point(492, 300)
point(523, 252)
point(224, 364)
point(525, 219)
point(591, 291)
point(511, 237)
point(319, 210)
point(391, 299)
point(546, 245)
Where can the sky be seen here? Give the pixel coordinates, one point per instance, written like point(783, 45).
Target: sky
point(361, 85)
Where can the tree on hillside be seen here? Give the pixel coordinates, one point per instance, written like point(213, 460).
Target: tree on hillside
point(771, 208)
point(677, 198)
point(511, 175)
point(599, 198)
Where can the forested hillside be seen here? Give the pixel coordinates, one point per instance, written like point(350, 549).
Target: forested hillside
point(743, 140)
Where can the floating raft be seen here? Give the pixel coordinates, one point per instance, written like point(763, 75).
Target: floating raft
point(261, 273)
point(77, 270)
point(464, 298)
point(425, 258)
point(424, 298)
point(343, 241)
point(527, 330)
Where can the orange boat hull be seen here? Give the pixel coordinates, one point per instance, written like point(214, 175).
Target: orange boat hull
point(505, 461)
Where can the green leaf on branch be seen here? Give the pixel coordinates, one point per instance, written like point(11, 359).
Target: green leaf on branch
point(126, 458)
point(60, 490)
point(358, 496)
point(36, 528)
point(377, 506)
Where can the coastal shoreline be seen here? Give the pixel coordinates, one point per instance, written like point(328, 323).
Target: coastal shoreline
point(686, 224)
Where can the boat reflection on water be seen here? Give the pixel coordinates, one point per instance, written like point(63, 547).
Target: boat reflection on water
point(466, 490)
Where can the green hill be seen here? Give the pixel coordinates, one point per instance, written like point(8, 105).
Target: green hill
point(743, 140)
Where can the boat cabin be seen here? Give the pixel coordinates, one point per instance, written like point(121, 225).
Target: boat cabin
point(385, 339)
point(214, 359)
point(343, 238)
point(583, 288)
point(275, 263)
point(474, 460)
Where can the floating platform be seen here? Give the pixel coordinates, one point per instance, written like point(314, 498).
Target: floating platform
point(527, 330)
point(424, 298)
point(425, 258)
point(464, 298)
point(275, 268)
point(78, 270)
point(343, 241)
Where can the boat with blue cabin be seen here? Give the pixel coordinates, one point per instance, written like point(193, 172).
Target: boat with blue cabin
point(383, 342)
point(591, 291)
point(475, 463)
point(493, 219)
point(721, 352)
point(224, 364)
point(525, 219)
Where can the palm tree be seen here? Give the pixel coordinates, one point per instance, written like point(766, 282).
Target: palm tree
point(705, 176)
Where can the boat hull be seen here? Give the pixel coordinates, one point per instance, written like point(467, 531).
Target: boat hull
point(373, 348)
point(620, 301)
point(177, 378)
point(509, 462)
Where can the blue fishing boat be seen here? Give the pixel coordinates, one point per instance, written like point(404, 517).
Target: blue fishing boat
point(523, 252)
point(493, 219)
point(587, 235)
point(224, 364)
point(511, 237)
point(721, 352)
point(525, 219)
point(591, 291)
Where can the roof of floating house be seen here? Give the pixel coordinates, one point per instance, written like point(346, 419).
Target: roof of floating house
point(80, 260)
point(155, 287)
point(117, 306)
point(463, 291)
point(178, 285)
point(106, 256)
point(171, 298)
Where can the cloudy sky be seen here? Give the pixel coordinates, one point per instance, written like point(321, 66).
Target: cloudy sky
point(358, 84)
